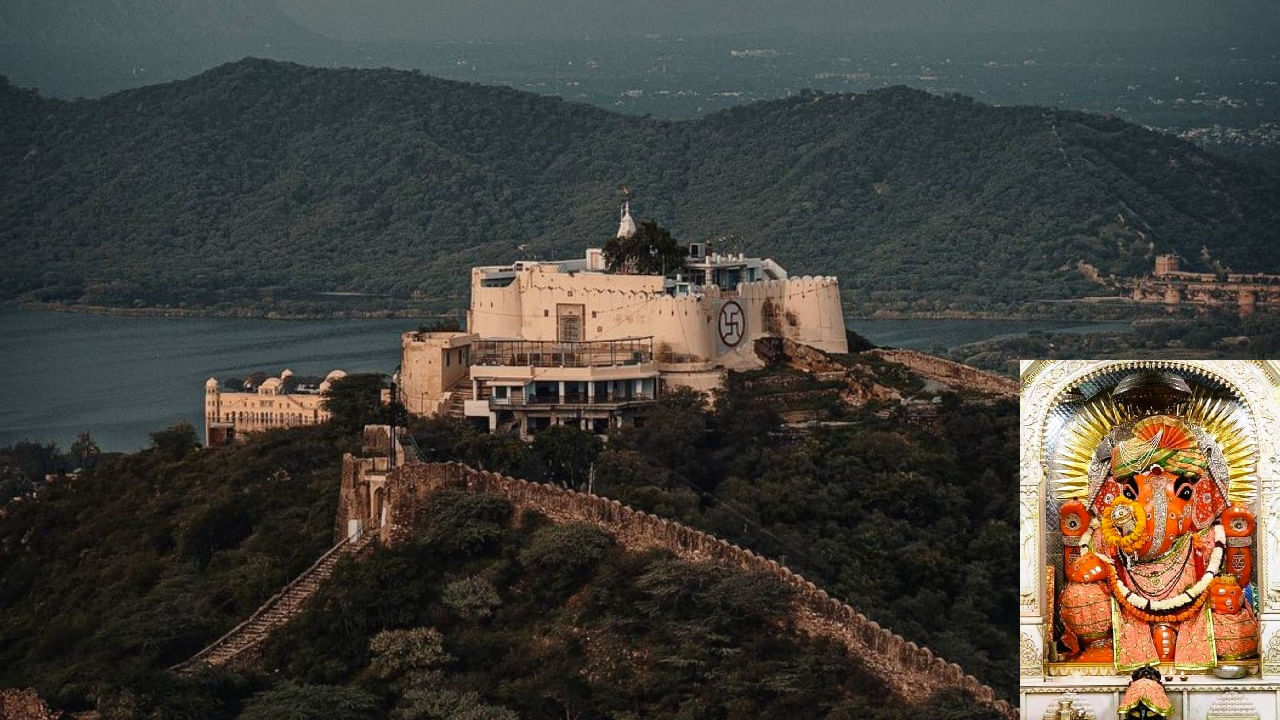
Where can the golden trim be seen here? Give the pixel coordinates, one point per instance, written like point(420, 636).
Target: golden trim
point(1226, 419)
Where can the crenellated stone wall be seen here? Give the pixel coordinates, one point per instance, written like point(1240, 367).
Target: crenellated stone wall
point(915, 672)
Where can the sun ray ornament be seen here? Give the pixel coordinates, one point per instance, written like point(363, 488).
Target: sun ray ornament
point(1076, 463)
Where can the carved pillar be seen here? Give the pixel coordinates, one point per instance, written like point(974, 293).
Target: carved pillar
point(1031, 502)
point(1267, 539)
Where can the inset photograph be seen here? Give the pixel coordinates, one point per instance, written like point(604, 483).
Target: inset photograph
point(1150, 551)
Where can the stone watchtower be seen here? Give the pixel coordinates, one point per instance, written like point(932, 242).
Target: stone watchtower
point(1166, 265)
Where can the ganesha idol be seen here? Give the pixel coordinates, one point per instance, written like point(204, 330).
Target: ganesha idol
point(1157, 563)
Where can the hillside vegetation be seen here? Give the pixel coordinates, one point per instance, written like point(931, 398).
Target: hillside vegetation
point(135, 565)
point(260, 184)
point(108, 579)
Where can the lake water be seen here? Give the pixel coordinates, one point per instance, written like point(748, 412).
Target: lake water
point(121, 378)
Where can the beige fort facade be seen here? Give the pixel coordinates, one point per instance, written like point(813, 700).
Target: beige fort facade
point(569, 343)
point(275, 403)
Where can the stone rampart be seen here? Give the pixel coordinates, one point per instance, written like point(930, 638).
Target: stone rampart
point(915, 672)
point(951, 373)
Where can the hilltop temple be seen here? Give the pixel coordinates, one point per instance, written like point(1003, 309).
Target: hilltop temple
point(572, 342)
point(569, 342)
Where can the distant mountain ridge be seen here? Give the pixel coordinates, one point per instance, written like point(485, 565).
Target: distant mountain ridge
point(72, 22)
point(262, 183)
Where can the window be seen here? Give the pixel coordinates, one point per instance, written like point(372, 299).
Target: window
point(569, 322)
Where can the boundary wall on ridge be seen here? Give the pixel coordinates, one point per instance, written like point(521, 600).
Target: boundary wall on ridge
point(914, 671)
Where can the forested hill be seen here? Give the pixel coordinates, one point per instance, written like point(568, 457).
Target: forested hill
point(260, 184)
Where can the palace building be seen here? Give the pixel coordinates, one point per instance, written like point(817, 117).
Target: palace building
point(569, 342)
point(1173, 286)
point(276, 402)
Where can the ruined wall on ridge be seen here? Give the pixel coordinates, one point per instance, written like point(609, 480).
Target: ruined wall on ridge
point(953, 374)
point(915, 672)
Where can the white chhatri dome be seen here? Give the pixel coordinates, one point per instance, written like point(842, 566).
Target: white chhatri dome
point(211, 383)
point(626, 226)
point(328, 380)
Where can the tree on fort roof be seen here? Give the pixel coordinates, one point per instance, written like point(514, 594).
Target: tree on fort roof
point(650, 250)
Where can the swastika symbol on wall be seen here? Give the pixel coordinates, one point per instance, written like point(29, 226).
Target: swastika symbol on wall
point(733, 323)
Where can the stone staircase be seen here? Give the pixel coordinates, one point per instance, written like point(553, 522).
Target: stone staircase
point(458, 397)
point(238, 644)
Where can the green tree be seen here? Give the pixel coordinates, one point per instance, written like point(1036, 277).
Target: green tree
point(85, 449)
point(13, 483)
point(471, 597)
point(32, 460)
point(355, 401)
point(397, 653)
point(562, 556)
point(565, 454)
point(412, 660)
point(175, 442)
point(650, 251)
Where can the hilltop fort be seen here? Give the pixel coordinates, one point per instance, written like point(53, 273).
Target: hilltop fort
point(573, 342)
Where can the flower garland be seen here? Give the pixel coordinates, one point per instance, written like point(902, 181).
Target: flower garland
point(1129, 541)
point(1175, 609)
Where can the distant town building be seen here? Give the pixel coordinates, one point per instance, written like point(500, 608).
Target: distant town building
point(276, 402)
point(1172, 286)
point(569, 343)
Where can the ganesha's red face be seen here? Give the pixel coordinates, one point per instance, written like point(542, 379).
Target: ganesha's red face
point(1167, 499)
point(1164, 472)
point(1172, 504)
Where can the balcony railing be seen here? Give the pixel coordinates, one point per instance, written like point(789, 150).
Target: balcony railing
point(518, 400)
point(541, 353)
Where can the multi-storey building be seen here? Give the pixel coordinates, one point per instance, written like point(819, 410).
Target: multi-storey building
point(568, 342)
point(276, 402)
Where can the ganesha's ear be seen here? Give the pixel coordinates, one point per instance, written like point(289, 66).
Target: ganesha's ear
point(1109, 490)
point(1207, 503)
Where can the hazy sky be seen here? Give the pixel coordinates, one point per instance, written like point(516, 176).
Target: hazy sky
point(444, 19)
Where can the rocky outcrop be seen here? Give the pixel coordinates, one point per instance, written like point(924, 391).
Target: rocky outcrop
point(856, 387)
point(25, 705)
point(238, 648)
point(863, 388)
point(913, 671)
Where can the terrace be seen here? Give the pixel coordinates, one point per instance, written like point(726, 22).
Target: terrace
point(542, 353)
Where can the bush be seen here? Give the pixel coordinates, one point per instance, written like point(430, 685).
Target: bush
point(312, 702)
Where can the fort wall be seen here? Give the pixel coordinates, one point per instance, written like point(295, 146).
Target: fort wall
point(953, 374)
point(805, 309)
point(913, 671)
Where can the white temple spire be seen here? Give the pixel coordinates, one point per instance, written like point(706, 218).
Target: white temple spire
point(626, 226)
